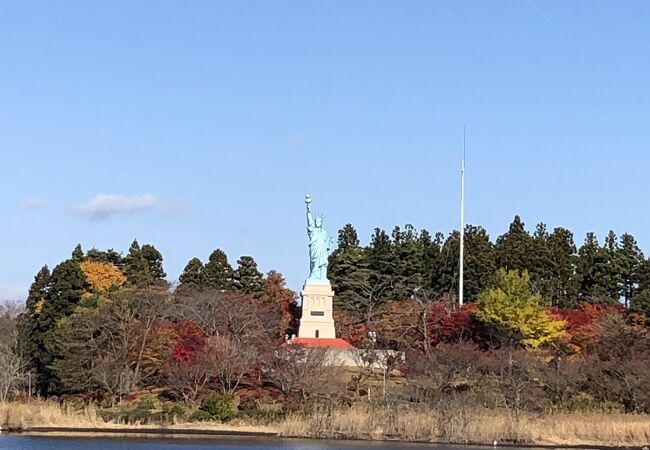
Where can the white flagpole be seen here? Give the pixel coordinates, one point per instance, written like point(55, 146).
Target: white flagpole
point(462, 224)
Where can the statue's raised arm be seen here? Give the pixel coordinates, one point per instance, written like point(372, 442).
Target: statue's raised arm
point(310, 219)
point(319, 245)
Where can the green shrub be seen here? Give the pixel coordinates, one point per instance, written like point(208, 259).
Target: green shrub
point(216, 407)
point(148, 402)
point(170, 413)
point(73, 404)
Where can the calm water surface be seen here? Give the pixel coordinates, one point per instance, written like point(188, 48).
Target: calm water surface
point(14, 442)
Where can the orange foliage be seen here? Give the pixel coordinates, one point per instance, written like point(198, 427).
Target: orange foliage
point(101, 276)
point(585, 324)
point(177, 341)
point(280, 298)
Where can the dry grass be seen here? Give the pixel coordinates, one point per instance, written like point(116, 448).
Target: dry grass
point(362, 421)
point(26, 415)
point(46, 414)
point(473, 426)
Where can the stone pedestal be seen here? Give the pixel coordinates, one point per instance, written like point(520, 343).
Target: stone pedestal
point(317, 320)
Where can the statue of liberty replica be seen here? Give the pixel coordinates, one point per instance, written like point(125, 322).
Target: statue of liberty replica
point(316, 320)
point(320, 245)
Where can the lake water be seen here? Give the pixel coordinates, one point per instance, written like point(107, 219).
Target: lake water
point(16, 442)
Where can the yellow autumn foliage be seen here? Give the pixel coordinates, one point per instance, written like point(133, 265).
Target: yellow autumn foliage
point(101, 276)
point(512, 305)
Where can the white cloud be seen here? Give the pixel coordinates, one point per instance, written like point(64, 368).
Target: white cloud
point(106, 205)
point(32, 204)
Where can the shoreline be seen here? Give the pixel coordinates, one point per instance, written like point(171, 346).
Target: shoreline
point(206, 433)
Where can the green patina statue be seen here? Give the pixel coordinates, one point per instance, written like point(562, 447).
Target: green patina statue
point(320, 245)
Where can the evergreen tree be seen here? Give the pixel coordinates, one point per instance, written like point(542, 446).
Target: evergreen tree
point(154, 261)
point(78, 253)
point(448, 269)
point(348, 265)
point(479, 263)
point(630, 261)
point(136, 267)
point(597, 270)
point(540, 263)
point(108, 256)
point(193, 275)
point(348, 237)
point(562, 287)
point(218, 271)
point(67, 284)
point(430, 253)
point(644, 275)
point(32, 336)
point(65, 288)
point(348, 270)
point(247, 278)
point(38, 290)
point(640, 304)
point(432, 262)
point(380, 256)
point(515, 248)
point(409, 263)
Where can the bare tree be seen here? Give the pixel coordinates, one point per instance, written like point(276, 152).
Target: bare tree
point(300, 374)
point(236, 316)
point(103, 348)
point(12, 365)
point(12, 372)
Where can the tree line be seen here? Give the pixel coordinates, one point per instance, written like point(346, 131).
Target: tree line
point(91, 322)
point(106, 325)
point(409, 263)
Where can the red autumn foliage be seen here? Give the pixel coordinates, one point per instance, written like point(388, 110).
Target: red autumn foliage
point(585, 323)
point(450, 323)
point(350, 328)
point(190, 341)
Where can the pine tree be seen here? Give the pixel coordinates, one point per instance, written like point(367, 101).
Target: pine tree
point(515, 248)
point(562, 288)
point(380, 255)
point(449, 264)
point(640, 304)
point(540, 264)
point(136, 267)
point(348, 269)
point(348, 237)
point(409, 263)
point(108, 256)
point(193, 276)
point(347, 266)
point(78, 253)
point(479, 263)
point(247, 278)
point(38, 290)
point(154, 261)
point(630, 261)
point(32, 336)
point(65, 289)
point(432, 261)
point(219, 272)
point(597, 271)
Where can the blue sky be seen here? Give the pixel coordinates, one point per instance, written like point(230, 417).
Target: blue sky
point(201, 124)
